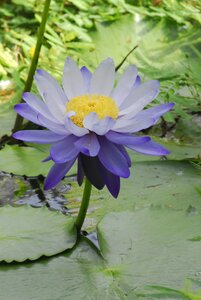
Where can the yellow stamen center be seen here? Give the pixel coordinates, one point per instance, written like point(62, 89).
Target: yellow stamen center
point(103, 106)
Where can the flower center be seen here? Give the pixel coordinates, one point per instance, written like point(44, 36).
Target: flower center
point(103, 106)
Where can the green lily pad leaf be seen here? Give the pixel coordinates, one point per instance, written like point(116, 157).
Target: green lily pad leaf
point(25, 160)
point(151, 246)
point(77, 275)
point(171, 184)
point(29, 233)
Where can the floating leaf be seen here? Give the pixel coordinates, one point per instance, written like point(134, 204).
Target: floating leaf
point(25, 160)
point(172, 184)
point(29, 233)
point(77, 275)
point(150, 246)
point(136, 246)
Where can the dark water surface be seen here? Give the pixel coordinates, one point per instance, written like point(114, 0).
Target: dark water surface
point(16, 190)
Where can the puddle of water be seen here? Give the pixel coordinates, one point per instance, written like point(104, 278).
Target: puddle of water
point(16, 190)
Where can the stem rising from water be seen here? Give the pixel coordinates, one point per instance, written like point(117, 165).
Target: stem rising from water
point(84, 205)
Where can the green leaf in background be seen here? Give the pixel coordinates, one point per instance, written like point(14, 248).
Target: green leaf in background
point(7, 116)
point(29, 233)
point(164, 52)
point(155, 48)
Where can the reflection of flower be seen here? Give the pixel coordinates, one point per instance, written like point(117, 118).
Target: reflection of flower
point(92, 121)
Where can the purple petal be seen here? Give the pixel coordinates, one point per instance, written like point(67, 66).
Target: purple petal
point(64, 150)
point(125, 154)
point(27, 112)
point(38, 105)
point(124, 85)
point(48, 158)
point(102, 79)
point(112, 158)
point(112, 182)
point(100, 127)
point(38, 136)
point(86, 76)
point(150, 148)
point(137, 82)
point(73, 82)
point(88, 145)
point(125, 139)
point(56, 173)
point(139, 98)
point(91, 167)
point(156, 112)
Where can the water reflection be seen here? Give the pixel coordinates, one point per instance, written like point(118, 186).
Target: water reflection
point(17, 190)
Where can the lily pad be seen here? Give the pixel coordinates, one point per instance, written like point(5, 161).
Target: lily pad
point(151, 246)
point(29, 233)
point(25, 161)
point(77, 275)
point(143, 247)
point(171, 184)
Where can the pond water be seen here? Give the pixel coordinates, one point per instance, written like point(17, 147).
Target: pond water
point(16, 190)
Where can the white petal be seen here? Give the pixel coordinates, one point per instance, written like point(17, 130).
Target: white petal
point(139, 98)
point(124, 85)
point(55, 127)
point(102, 79)
point(52, 93)
point(73, 82)
point(100, 127)
point(133, 125)
point(74, 129)
point(38, 105)
point(143, 119)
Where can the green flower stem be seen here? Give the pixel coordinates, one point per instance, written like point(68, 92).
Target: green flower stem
point(34, 62)
point(84, 205)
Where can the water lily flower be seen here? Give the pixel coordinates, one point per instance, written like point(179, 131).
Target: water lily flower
point(93, 121)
